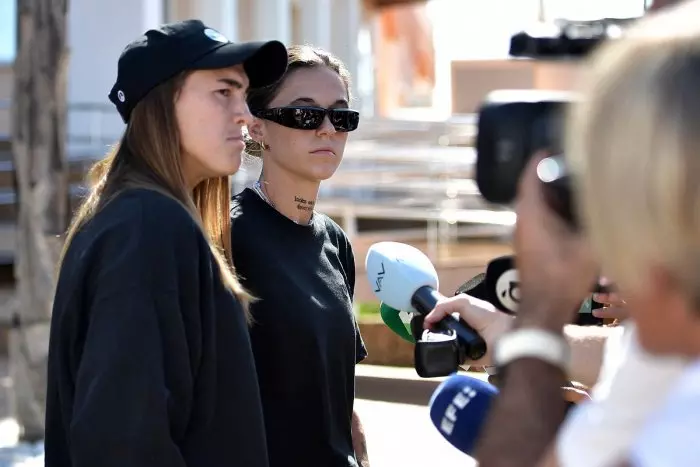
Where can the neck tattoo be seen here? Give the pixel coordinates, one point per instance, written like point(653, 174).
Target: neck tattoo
point(258, 188)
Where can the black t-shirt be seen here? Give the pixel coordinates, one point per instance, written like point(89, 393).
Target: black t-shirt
point(150, 362)
point(305, 337)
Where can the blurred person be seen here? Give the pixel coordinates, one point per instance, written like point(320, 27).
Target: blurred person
point(150, 362)
point(636, 180)
point(654, 254)
point(588, 344)
point(626, 382)
point(300, 266)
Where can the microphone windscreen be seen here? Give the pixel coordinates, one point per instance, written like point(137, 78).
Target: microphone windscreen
point(475, 287)
point(395, 272)
point(502, 284)
point(392, 319)
point(499, 285)
point(458, 409)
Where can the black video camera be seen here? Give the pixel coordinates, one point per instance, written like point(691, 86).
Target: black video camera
point(515, 124)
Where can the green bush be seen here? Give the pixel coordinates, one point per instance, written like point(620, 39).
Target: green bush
point(367, 311)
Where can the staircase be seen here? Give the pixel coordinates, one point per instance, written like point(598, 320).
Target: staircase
point(8, 198)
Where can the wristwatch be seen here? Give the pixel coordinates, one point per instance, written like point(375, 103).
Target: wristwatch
point(531, 343)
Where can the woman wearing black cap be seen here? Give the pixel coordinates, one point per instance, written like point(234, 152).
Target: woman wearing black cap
point(150, 361)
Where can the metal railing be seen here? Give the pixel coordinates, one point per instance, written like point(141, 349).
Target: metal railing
point(393, 170)
point(95, 135)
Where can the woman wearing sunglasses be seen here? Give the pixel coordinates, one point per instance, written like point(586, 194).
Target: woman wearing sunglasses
point(299, 265)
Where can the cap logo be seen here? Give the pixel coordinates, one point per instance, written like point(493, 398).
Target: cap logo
point(121, 96)
point(215, 35)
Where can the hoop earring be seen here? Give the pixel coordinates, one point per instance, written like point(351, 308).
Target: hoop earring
point(263, 146)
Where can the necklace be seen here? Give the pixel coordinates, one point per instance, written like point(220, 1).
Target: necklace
point(257, 188)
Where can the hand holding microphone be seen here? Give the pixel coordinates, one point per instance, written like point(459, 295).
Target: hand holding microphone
point(483, 317)
point(402, 277)
point(555, 263)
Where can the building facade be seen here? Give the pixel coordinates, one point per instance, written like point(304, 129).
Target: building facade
point(99, 29)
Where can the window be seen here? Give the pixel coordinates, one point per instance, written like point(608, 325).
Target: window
point(8, 30)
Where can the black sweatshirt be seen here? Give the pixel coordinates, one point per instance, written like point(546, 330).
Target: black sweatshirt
point(305, 337)
point(150, 360)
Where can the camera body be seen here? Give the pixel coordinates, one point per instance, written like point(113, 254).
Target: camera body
point(513, 125)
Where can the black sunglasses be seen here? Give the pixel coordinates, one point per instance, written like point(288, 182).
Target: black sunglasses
point(311, 118)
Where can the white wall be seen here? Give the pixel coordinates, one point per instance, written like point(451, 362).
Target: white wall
point(272, 19)
point(222, 15)
point(98, 31)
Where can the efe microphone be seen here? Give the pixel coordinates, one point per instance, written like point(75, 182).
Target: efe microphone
point(404, 278)
point(458, 409)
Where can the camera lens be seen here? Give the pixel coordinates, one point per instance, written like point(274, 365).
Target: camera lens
point(551, 169)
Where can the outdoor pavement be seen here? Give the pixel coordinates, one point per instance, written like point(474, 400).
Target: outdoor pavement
point(13, 454)
point(391, 401)
point(402, 435)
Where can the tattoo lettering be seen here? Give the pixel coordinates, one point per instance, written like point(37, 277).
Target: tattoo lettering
point(304, 205)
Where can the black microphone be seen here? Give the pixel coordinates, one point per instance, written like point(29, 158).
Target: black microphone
point(403, 277)
point(499, 285)
point(424, 300)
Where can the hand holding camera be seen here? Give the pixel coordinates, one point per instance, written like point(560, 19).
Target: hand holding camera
point(555, 264)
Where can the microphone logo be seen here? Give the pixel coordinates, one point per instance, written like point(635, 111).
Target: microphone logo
point(508, 290)
point(460, 401)
point(380, 278)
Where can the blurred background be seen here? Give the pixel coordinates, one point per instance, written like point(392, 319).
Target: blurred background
point(420, 70)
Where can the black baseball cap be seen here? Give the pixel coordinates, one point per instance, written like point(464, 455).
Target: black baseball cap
point(162, 53)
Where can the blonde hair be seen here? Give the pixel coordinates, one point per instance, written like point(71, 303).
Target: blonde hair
point(633, 145)
point(149, 156)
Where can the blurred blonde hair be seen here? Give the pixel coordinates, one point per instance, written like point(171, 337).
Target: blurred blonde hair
point(633, 145)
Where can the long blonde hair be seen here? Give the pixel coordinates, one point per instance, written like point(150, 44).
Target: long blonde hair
point(634, 148)
point(149, 156)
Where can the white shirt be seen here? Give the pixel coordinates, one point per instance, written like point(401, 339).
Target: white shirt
point(631, 386)
point(671, 437)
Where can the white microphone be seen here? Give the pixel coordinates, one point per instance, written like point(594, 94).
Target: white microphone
point(404, 278)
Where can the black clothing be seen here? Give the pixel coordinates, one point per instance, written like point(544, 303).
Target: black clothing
point(150, 361)
point(305, 337)
point(159, 54)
